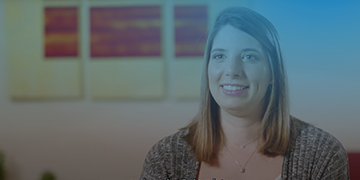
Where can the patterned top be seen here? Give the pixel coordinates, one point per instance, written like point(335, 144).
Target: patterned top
point(316, 155)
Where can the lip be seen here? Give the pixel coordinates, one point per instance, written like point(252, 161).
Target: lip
point(229, 84)
point(233, 92)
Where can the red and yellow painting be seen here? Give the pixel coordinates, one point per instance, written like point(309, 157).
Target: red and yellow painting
point(61, 32)
point(125, 31)
point(190, 30)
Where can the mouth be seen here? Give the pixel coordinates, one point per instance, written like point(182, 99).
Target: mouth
point(232, 87)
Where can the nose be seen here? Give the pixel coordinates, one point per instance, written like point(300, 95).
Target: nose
point(234, 67)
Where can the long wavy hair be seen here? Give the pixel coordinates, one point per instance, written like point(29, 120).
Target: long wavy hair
point(205, 134)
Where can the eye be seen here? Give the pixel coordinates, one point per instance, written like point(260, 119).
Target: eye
point(218, 56)
point(249, 57)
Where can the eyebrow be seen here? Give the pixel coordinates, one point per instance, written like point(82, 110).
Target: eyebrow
point(243, 50)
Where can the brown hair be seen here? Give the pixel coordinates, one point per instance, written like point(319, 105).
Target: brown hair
point(205, 134)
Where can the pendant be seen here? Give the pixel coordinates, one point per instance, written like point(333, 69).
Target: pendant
point(243, 146)
point(242, 170)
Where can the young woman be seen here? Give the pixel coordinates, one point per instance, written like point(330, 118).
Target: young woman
point(244, 129)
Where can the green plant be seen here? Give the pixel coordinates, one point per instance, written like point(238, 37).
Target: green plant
point(47, 175)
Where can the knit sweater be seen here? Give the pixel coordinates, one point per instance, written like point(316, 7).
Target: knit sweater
point(316, 155)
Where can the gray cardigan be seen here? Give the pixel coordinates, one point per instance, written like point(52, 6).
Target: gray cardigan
point(316, 155)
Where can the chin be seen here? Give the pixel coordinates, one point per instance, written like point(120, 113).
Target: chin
point(232, 107)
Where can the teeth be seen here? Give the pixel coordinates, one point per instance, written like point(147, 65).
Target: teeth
point(234, 88)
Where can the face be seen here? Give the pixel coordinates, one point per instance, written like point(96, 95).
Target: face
point(238, 71)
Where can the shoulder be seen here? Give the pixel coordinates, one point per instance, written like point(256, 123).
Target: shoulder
point(315, 138)
point(319, 152)
point(170, 144)
point(167, 155)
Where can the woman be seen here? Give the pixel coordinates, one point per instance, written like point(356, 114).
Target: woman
point(243, 129)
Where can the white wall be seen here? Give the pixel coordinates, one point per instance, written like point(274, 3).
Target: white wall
point(108, 140)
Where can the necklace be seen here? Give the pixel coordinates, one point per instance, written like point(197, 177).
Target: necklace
point(244, 145)
point(242, 169)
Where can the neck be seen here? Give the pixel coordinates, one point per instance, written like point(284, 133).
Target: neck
point(240, 129)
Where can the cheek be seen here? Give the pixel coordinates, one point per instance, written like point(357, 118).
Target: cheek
point(266, 74)
point(213, 72)
point(259, 75)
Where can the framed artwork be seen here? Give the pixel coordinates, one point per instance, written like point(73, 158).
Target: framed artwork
point(191, 23)
point(61, 31)
point(190, 30)
point(125, 48)
point(128, 31)
point(35, 34)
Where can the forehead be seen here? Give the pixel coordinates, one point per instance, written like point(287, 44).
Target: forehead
point(229, 37)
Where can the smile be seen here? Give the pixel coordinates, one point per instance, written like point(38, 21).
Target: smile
point(234, 88)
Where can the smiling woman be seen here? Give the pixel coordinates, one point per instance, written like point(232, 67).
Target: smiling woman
point(238, 71)
point(244, 125)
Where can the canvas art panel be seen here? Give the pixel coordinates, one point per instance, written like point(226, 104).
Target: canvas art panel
point(190, 30)
point(61, 31)
point(129, 31)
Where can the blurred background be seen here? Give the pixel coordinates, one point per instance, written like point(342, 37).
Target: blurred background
point(73, 104)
